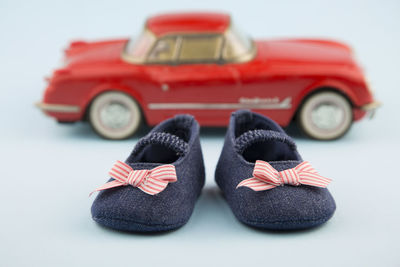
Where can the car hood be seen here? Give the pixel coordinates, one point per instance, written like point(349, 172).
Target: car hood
point(312, 51)
point(88, 53)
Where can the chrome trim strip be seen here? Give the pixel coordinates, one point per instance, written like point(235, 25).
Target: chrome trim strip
point(58, 108)
point(371, 106)
point(285, 104)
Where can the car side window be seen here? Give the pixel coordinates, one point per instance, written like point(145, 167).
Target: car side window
point(163, 51)
point(200, 48)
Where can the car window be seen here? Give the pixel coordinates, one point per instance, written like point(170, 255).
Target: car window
point(238, 47)
point(163, 50)
point(137, 49)
point(195, 49)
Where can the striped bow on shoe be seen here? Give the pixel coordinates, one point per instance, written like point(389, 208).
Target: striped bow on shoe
point(265, 177)
point(151, 181)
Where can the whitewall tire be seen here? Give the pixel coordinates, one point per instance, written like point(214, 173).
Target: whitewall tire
point(325, 116)
point(114, 115)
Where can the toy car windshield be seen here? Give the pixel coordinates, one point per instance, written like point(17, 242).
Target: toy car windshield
point(231, 46)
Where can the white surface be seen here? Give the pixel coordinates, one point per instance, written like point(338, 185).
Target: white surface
point(48, 169)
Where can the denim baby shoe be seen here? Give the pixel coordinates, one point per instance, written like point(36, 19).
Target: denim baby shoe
point(264, 179)
point(156, 188)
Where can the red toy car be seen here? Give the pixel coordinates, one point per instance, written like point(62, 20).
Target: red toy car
point(199, 63)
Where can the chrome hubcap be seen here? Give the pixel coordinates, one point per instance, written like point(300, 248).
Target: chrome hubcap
point(327, 116)
point(115, 115)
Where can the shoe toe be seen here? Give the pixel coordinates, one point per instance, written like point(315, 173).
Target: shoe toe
point(129, 209)
point(285, 207)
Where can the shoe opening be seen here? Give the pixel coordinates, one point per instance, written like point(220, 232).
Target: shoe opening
point(259, 138)
point(166, 143)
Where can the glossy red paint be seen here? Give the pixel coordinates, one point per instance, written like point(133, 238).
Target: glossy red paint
point(282, 70)
point(188, 22)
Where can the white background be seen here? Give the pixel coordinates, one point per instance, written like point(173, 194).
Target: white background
point(47, 170)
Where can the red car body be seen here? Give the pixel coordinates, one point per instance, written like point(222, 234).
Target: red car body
point(274, 82)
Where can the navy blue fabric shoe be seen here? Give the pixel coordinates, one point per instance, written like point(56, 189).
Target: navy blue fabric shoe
point(254, 141)
point(127, 201)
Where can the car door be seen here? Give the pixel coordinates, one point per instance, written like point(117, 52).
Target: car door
point(190, 76)
point(263, 88)
point(266, 91)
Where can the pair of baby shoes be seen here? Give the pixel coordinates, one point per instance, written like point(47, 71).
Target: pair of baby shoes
point(261, 174)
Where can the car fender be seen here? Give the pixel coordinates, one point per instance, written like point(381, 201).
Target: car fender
point(329, 84)
point(104, 87)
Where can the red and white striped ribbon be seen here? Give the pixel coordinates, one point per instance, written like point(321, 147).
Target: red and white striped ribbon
point(266, 177)
point(149, 181)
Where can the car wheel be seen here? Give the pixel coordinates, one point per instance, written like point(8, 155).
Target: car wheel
point(114, 115)
point(325, 116)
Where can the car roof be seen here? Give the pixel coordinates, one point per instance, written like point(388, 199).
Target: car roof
point(189, 22)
